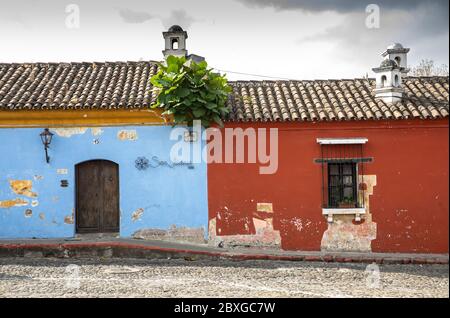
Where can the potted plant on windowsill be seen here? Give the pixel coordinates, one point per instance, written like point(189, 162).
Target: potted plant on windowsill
point(347, 203)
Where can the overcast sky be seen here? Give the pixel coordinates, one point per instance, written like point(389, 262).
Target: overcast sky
point(296, 39)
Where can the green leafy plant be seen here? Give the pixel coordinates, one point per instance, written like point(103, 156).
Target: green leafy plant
point(347, 202)
point(191, 91)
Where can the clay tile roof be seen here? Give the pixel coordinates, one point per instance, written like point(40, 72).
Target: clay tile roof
point(126, 85)
point(336, 100)
point(106, 85)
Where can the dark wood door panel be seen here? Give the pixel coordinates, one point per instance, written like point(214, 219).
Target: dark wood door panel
point(110, 211)
point(87, 197)
point(97, 197)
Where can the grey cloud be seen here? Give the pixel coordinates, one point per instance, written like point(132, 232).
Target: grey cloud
point(413, 29)
point(423, 22)
point(343, 6)
point(179, 17)
point(130, 16)
point(426, 17)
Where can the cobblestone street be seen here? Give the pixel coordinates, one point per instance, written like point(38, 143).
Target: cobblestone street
point(182, 278)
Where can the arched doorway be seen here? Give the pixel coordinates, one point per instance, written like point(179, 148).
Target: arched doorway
point(97, 197)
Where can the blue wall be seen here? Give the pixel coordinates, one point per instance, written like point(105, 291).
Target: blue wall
point(168, 196)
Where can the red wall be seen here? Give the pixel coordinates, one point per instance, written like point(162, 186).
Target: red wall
point(410, 202)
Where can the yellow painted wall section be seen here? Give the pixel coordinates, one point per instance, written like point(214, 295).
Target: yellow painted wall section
point(87, 118)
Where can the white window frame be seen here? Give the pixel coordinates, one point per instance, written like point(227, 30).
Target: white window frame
point(342, 141)
point(357, 212)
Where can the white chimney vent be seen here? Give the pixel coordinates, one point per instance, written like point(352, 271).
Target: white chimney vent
point(396, 52)
point(389, 75)
point(175, 42)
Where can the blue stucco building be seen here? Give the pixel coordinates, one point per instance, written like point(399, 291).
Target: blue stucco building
point(38, 199)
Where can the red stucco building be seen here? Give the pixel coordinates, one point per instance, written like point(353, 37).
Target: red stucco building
point(356, 171)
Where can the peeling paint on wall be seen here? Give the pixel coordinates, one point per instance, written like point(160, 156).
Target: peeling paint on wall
point(69, 132)
point(23, 187)
point(130, 135)
point(42, 216)
point(28, 213)
point(264, 207)
point(137, 215)
point(34, 203)
point(69, 219)
point(174, 234)
point(345, 235)
point(265, 235)
point(96, 131)
point(62, 171)
point(13, 203)
point(299, 224)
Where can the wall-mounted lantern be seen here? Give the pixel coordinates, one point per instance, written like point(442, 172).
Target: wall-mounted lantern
point(46, 137)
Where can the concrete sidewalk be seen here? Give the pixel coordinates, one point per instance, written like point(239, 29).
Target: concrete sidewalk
point(131, 248)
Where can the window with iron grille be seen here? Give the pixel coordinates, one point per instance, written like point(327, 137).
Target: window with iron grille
point(342, 185)
point(343, 173)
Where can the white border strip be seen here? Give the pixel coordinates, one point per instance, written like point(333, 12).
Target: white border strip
point(342, 141)
point(344, 211)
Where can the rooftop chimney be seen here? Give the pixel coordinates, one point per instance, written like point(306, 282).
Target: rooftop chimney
point(396, 52)
point(175, 40)
point(389, 74)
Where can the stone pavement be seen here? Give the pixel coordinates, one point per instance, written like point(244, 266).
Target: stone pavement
point(131, 248)
point(176, 278)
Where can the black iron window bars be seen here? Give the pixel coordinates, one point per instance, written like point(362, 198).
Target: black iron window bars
point(343, 184)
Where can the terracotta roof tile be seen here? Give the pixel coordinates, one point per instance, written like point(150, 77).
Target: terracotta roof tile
point(119, 85)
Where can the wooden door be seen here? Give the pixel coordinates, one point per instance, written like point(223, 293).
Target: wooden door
point(97, 197)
